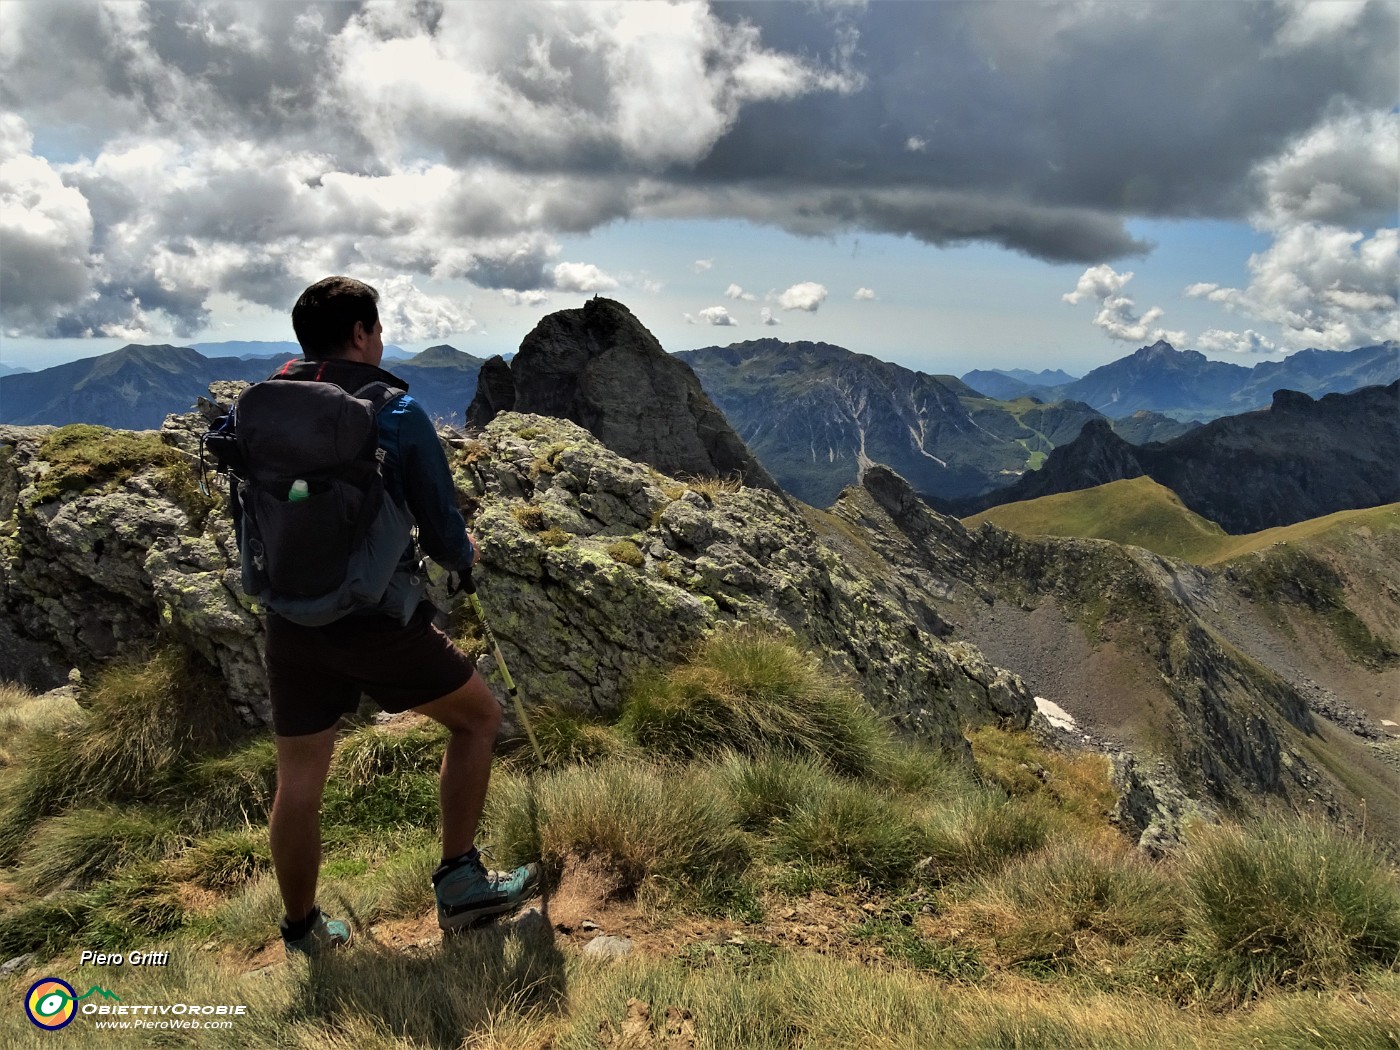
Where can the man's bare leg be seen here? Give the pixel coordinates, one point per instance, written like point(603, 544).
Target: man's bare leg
point(473, 716)
point(294, 827)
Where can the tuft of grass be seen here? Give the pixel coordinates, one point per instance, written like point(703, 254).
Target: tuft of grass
point(139, 904)
point(570, 737)
point(226, 860)
point(1285, 901)
point(231, 789)
point(713, 487)
point(629, 820)
point(555, 537)
point(144, 722)
point(749, 691)
point(1052, 907)
point(769, 788)
point(78, 848)
point(625, 552)
point(249, 920)
point(852, 826)
point(900, 940)
point(980, 834)
point(82, 456)
point(47, 925)
point(529, 516)
point(370, 752)
point(1077, 787)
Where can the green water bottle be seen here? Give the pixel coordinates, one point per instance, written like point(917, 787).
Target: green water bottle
point(299, 491)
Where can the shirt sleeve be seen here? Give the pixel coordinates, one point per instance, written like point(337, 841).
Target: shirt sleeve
point(428, 489)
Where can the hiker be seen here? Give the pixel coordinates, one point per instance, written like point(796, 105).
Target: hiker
point(388, 647)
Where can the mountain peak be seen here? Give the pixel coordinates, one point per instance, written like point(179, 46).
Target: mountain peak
point(600, 367)
point(443, 356)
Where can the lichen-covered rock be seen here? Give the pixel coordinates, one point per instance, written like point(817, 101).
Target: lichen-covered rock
point(579, 613)
point(583, 624)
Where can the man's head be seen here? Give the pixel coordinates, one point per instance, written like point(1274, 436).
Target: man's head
point(339, 317)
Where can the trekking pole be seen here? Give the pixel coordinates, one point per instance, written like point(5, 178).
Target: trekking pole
point(469, 585)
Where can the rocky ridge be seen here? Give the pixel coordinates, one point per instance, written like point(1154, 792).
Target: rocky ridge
point(596, 568)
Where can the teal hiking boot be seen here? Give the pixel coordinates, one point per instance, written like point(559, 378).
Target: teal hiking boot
point(325, 935)
point(468, 894)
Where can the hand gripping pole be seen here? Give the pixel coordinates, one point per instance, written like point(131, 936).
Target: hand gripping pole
point(469, 585)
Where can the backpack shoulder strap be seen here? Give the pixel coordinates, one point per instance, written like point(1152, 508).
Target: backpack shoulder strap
point(378, 394)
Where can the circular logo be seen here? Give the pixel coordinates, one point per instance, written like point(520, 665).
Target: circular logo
point(51, 1003)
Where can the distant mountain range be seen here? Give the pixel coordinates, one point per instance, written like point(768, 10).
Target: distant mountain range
point(817, 414)
point(1301, 458)
point(1187, 385)
point(136, 387)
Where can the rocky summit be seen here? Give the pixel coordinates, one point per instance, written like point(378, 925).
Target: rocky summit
point(601, 368)
point(596, 568)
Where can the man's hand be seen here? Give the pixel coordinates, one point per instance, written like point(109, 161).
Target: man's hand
point(472, 540)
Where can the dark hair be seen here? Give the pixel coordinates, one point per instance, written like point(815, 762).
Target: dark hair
point(325, 315)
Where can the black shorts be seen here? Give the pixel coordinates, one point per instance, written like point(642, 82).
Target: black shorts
point(316, 674)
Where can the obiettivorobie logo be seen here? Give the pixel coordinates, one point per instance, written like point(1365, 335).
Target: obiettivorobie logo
point(52, 1004)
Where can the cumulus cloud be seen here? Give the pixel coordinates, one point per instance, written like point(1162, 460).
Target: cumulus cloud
point(864, 293)
point(807, 295)
point(735, 292)
point(1117, 313)
point(718, 316)
point(1345, 171)
point(410, 315)
point(701, 265)
point(534, 297)
point(1324, 286)
point(457, 142)
point(1247, 342)
point(582, 277)
point(766, 317)
point(46, 229)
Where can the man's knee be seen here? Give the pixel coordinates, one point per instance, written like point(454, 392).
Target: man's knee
point(473, 708)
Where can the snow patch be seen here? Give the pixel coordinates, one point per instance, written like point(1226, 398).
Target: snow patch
point(1056, 715)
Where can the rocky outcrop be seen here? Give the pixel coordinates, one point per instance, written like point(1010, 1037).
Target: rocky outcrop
point(594, 569)
point(600, 368)
point(495, 393)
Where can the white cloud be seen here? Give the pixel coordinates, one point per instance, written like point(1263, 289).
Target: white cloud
point(701, 265)
point(533, 297)
point(864, 293)
point(735, 292)
point(718, 316)
point(1246, 342)
point(1117, 314)
point(46, 229)
point(1311, 22)
point(807, 295)
point(914, 144)
point(410, 315)
point(582, 277)
point(1344, 171)
point(767, 318)
point(1324, 286)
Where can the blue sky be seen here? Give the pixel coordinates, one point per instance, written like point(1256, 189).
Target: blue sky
point(1031, 185)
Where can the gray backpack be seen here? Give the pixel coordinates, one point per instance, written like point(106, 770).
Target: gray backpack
point(319, 535)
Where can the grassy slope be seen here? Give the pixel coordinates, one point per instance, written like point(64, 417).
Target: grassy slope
point(792, 876)
point(1145, 514)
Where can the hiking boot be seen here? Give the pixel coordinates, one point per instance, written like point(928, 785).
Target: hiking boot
point(325, 935)
point(469, 894)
